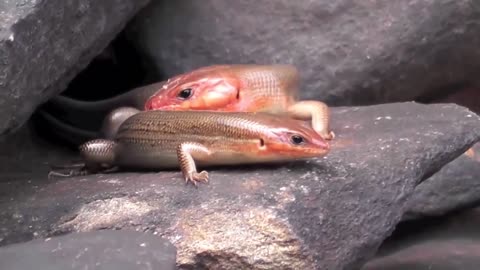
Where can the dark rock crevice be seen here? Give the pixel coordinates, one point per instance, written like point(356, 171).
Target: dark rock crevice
point(46, 44)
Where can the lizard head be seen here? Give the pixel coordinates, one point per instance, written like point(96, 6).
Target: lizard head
point(206, 88)
point(294, 138)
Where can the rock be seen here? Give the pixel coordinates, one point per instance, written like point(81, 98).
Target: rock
point(329, 213)
point(44, 44)
point(454, 187)
point(23, 151)
point(468, 97)
point(107, 250)
point(348, 52)
point(446, 243)
point(451, 254)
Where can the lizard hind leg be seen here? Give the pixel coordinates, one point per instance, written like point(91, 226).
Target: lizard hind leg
point(99, 151)
point(187, 152)
point(84, 169)
point(99, 156)
point(71, 172)
point(68, 170)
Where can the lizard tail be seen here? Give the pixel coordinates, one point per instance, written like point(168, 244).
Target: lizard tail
point(64, 131)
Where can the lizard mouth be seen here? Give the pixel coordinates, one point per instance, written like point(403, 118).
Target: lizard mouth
point(155, 104)
point(322, 144)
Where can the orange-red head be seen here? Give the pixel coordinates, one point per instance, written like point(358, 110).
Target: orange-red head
point(278, 137)
point(262, 137)
point(294, 138)
point(210, 87)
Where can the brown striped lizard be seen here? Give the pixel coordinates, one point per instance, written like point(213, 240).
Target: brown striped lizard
point(170, 139)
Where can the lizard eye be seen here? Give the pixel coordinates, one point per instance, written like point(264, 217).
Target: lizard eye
point(297, 139)
point(185, 93)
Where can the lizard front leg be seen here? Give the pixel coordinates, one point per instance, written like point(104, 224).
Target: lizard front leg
point(99, 155)
point(187, 152)
point(316, 111)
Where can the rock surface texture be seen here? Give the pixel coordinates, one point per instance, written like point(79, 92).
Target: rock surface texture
point(330, 213)
point(451, 243)
point(348, 52)
point(455, 186)
point(453, 254)
point(106, 250)
point(44, 44)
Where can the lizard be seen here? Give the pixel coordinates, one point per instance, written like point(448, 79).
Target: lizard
point(184, 139)
point(239, 87)
point(242, 87)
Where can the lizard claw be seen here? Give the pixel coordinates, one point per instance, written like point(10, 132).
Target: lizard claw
point(196, 177)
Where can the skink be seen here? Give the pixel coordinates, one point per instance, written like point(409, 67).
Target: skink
point(243, 88)
point(187, 139)
point(248, 88)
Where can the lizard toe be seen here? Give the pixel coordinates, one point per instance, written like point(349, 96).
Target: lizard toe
point(330, 136)
point(202, 176)
point(58, 174)
point(195, 177)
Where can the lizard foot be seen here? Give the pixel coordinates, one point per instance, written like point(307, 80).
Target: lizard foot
point(82, 171)
point(195, 177)
point(330, 136)
point(70, 173)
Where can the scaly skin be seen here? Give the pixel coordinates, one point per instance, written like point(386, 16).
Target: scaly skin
point(242, 88)
point(233, 88)
point(184, 139)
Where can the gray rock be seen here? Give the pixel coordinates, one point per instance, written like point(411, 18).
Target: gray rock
point(453, 254)
point(105, 250)
point(348, 52)
point(329, 213)
point(446, 243)
point(454, 187)
point(44, 44)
